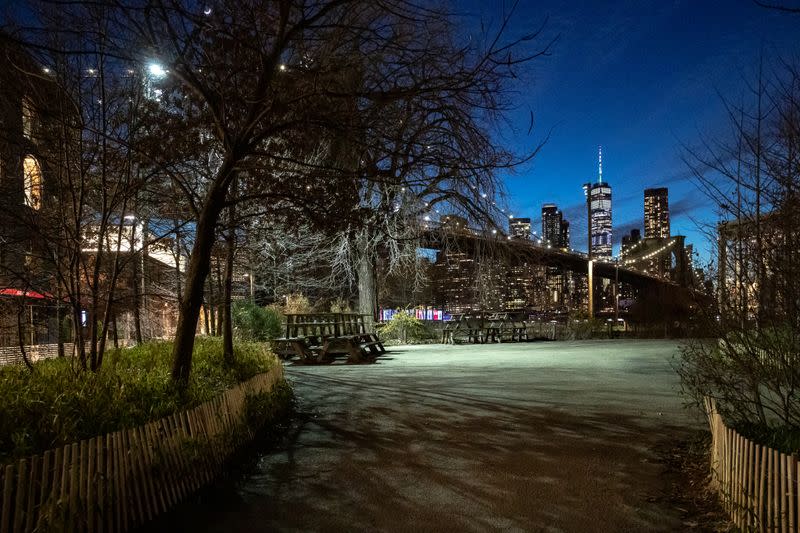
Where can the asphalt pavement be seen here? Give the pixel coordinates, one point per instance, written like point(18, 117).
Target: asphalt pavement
point(545, 436)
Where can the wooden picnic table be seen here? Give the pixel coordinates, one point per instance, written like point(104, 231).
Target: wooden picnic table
point(316, 337)
point(469, 325)
point(484, 326)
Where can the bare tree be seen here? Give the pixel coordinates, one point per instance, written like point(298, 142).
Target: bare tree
point(349, 112)
point(753, 179)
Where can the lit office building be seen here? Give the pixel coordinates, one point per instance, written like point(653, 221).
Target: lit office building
point(656, 213)
point(555, 230)
point(630, 241)
point(598, 206)
point(551, 225)
point(555, 233)
point(519, 228)
point(565, 234)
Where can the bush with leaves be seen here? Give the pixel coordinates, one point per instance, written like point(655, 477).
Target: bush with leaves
point(406, 329)
point(340, 305)
point(54, 404)
point(254, 323)
point(296, 303)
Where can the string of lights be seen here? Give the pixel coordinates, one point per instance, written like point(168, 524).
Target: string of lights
point(651, 254)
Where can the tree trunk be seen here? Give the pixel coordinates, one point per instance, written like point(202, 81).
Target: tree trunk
point(220, 297)
point(137, 316)
point(196, 274)
point(116, 334)
point(227, 321)
point(367, 295)
point(59, 327)
point(212, 325)
point(21, 336)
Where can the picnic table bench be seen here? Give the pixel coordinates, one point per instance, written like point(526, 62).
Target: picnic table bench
point(506, 326)
point(469, 326)
point(317, 337)
point(481, 327)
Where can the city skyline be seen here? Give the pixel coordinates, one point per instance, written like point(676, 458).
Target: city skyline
point(555, 227)
point(651, 90)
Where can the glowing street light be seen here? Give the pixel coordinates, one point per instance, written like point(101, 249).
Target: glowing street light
point(156, 70)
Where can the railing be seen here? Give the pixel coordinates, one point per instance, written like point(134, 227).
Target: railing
point(121, 480)
point(759, 487)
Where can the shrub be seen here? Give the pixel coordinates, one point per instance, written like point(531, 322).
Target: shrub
point(752, 374)
point(405, 328)
point(254, 323)
point(581, 329)
point(340, 305)
point(273, 406)
point(56, 404)
point(296, 303)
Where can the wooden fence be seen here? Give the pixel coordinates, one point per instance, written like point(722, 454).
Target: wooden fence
point(759, 486)
point(118, 481)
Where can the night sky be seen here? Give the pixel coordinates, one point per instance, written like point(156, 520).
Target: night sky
point(641, 79)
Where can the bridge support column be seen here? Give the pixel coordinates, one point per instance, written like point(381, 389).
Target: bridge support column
point(591, 289)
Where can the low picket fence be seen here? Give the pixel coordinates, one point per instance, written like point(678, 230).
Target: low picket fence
point(758, 486)
point(116, 482)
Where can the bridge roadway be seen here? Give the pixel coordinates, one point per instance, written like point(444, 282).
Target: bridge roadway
point(523, 249)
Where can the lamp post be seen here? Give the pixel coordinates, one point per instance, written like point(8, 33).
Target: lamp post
point(249, 277)
point(616, 294)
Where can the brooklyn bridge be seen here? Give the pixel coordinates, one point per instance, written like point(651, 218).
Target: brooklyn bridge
point(652, 267)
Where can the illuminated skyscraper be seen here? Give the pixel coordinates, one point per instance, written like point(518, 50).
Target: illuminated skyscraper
point(629, 241)
point(555, 230)
point(551, 225)
point(598, 207)
point(519, 228)
point(656, 213)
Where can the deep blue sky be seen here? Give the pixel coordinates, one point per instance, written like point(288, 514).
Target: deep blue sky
point(639, 78)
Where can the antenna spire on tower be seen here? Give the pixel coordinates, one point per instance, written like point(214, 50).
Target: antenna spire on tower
point(600, 164)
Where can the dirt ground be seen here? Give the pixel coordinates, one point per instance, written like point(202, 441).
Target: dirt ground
point(557, 436)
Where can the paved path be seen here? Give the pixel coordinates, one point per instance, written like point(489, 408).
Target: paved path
point(558, 436)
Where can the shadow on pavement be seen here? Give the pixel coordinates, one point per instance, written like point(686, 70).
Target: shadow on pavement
point(386, 454)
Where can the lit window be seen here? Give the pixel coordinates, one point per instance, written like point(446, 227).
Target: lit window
point(27, 117)
point(32, 174)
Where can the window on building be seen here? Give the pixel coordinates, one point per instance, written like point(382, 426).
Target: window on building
point(28, 116)
point(32, 174)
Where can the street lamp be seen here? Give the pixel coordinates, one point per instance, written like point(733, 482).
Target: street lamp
point(156, 70)
point(251, 278)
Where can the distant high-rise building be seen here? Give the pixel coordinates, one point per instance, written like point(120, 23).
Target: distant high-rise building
point(565, 234)
point(598, 207)
point(519, 228)
point(628, 241)
point(656, 213)
point(551, 225)
point(555, 230)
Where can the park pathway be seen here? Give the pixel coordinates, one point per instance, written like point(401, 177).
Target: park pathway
point(514, 437)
